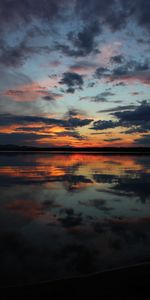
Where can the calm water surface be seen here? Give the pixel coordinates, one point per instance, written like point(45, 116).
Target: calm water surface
point(67, 215)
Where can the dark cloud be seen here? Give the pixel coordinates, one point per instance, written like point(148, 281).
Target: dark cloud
point(97, 98)
point(111, 140)
point(67, 50)
point(117, 59)
point(73, 134)
point(9, 119)
point(102, 97)
point(14, 15)
point(28, 129)
point(142, 127)
point(76, 122)
point(141, 113)
point(101, 72)
point(72, 112)
point(91, 84)
point(116, 14)
point(120, 84)
point(15, 56)
point(20, 138)
point(130, 68)
point(102, 125)
point(142, 13)
point(49, 98)
point(46, 130)
point(144, 140)
point(125, 70)
point(73, 81)
point(135, 93)
point(109, 13)
point(137, 120)
point(84, 41)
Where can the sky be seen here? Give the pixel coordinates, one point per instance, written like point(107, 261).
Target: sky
point(75, 73)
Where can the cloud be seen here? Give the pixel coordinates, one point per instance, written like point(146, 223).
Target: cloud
point(101, 125)
point(142, 13)
point(117, 59)
point(102, 97)
point(140, 114)
point(113, 14)
point(15, 56)
point(137, 119)
point(81, 43)
point(21, 138)
point(110, 13)
point(72, 112)
point(97, 98)
point(83, 67)
point(84, 41)
point(131, 71)
point(102, 72)
point(8, 119)
point(113, 140)
point(41, 18)
point(48, 132)
point(117, 108)
point(144, 140)
point(31, 92)
point(19, 14)
point(73, 134)
point(73, 81)
point(107, 51)
point(126, 72)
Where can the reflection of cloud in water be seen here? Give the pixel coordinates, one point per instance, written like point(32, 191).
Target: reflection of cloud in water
point(98, 204)
point(138, 186)
point(48, 231)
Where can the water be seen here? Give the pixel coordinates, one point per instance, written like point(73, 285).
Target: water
point(68, 215)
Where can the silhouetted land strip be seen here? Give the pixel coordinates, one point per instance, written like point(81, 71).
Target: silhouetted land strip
point(107, 150)
point(127, 283)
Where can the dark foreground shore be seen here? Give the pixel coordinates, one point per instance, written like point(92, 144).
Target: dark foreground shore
point(127, 283)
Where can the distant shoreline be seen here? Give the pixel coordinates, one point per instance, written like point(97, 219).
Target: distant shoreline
point(2, 152)
point(70, 150)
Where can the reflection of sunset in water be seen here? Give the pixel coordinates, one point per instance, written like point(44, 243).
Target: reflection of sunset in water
point(65, 215)
point(78, 164)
